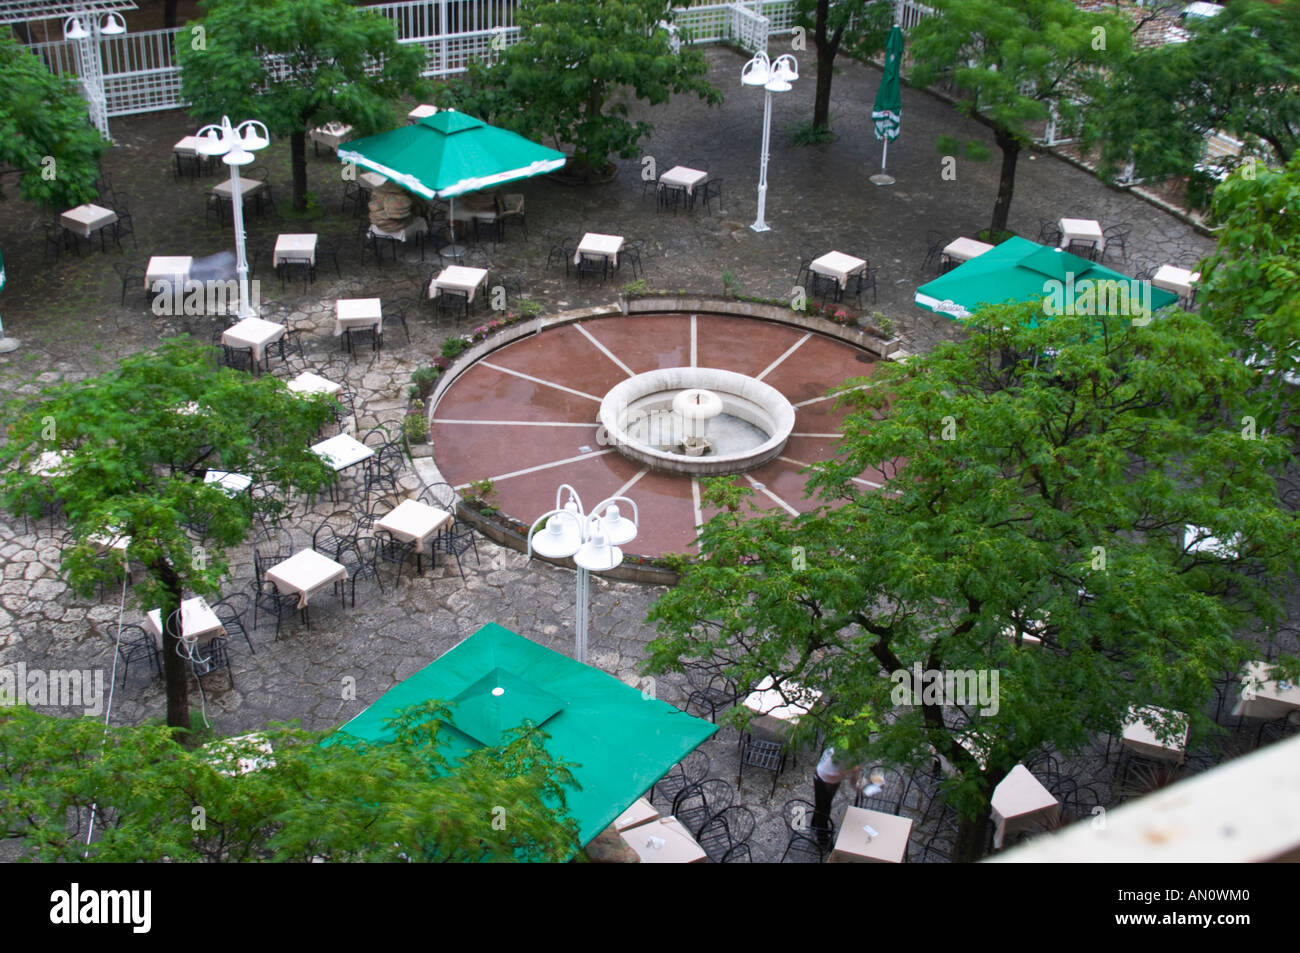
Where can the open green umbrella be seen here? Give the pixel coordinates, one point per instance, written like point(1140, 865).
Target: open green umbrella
point(1021, 270)
point(622, 741)
point(887, 113)
point(450, 153)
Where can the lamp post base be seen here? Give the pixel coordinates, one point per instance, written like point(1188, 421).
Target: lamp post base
point(9, 344)
point(760, 227)
point(881, 179)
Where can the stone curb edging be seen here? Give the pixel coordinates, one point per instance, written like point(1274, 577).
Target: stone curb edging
point(505, 535)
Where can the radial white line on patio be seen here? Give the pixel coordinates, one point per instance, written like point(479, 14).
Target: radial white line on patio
point(801, 465)
point(776, 499)
point(790, 350)
point(694, 348)
point(537, 380)
point(835, 435)
point(510, 423)
point(695, 498)
point(546, 466)
point(814, 400)
point(622, 490)
point(604, 350)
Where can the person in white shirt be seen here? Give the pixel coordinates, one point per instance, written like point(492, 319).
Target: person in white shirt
point(828, 776)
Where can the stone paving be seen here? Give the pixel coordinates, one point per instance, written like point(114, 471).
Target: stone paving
point(64, 314)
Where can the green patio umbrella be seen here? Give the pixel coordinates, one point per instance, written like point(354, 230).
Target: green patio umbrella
point(887, 113)
point(6, 344)
point(1021, 270)
point(621, 741)
point(449, 154)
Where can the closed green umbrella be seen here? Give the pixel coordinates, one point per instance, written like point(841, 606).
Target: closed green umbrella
point(1021, 270)
point(887, 113)
point(450, 153)
point(621, 740)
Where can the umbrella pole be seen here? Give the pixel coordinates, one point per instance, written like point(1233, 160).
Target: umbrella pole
point(880, 178)
point(884, 154)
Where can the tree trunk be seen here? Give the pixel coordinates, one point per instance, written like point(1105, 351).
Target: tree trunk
point(174, 674)
point(972, 838)
point(826, 50)
point(1010, 147)
point(169, 14)
point(298, 148)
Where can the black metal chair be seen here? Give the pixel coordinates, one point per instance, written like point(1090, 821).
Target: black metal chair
point(267, 598)
point(672, 196)
point(592, 265)
point(630, 255)
point(712, 191)
point(889, 799)
point(709, 689)
point(238, 358)
point(510, 207)
point(725, 836)
point(798, 816)
point(452, 300)
point(371, 512)
point(356, 195)
point(862, 281)
point(1049, 232)
point(561, 250)
point(455, 541)
point(327, 538)
point(356, 334)
point(327, 250)
point(215, 206)
point(934, 245)
point(396, 311)
point(1277, 729)
point(761, 753)
point(211, 656)
point(271, 546)
point(1116, 236)
point(231, 611)
point(390, 549)
point(1145, 269)
point(360, 559)
point(690, 771)
point(56, 238)
point(131, 274)
point(296, 267)
point(1083, 249)
point(695, 805)
point(137, 645)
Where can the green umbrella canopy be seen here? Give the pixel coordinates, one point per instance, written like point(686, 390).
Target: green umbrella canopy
point(621, 741)
point(887, 113)
point(450, 153)
point(1021, 270)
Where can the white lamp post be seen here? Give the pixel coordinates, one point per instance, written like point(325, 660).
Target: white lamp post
point(237, 145)
point(775, 77)
point(87, 32)
point(593, 542)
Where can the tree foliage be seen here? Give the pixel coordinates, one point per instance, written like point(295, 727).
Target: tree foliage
point(1013, 63)
point(294, 65)
point(44, 118)
point(134, 464)
point(1017, 489)
point(856, 27)
point(339, 801)
point(564, 76)
point(1239, 73)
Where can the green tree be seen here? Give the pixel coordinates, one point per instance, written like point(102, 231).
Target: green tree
point(295, 64)
point(562, 77)
point(137, 442)
point(859, 27)
point(1239, 73)
point(151, 798)
point(1014, 490)
point(1013, 64)
point(45, 131)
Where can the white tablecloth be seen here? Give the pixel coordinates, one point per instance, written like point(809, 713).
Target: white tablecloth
point(1139, 737)
point(1019, 802)
point(414, 522)
point(1265, 699)
point(594, 243)
point(255, 333)
point(371, 180)
point(459, 278)
point(421, 111)
point(85, 220)
point(1178, 280)
point(309, 383)
point(358, 313)
point(188, 146)
point(964, 249)
point(679, 176)
point(233, 483)
point(412, 229)
point(855, 846)
point(172, 270)
point(1082, 230)
point(304, 573)
point(247, 187)
point(198, 621)
point(342, 451)
point(678, 846)
point(331, 134)
point(297, 246)
point(838, 265)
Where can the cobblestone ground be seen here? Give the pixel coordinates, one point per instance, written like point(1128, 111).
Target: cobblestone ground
point(64, 313)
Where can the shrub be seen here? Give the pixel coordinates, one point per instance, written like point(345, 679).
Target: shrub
point(453, 346)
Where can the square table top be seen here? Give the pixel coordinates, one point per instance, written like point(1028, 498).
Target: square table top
point(89, 216)
point(767, 701)
point(422, 110)
point(459, 278)
point(49, 463)
point(252, 332)
point(594, 243)
point(1207, 543)
point(304, 572)
point(1021, 793)
point(197, 620)
point(105, 543)
point(309, 383)
point(232, 483)
point(1141, 737)
point(359, 309)
point(1265, 698)
point(640, 812)
point(965, 249)
point(1081, 228)
point(246, 187)
point(679, 846)
point(1173, 278)
point(683, 177)
point(413, 521)
point(371, 180)
point(189, 145)
point(291, 243)
point(332, 133)
point(342, 451)
point(412, 229)
point(855, 845)
point(836, 264)
point(167, 267)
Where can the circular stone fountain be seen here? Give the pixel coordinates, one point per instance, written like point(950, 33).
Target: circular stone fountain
point(698, 420)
